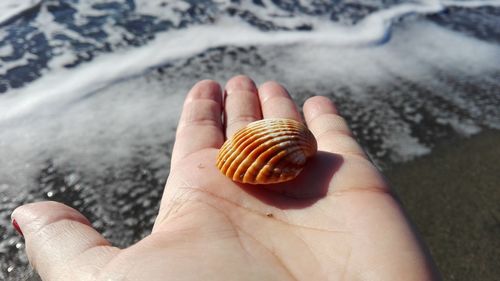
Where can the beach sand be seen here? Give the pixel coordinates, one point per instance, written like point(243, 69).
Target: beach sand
point(453, 198)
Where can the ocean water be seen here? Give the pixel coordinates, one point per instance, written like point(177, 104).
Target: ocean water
point(90, 91)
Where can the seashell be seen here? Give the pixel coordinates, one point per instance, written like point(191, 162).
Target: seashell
point(267, 151)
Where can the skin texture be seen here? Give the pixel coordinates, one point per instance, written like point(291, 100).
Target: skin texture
point(337, 221)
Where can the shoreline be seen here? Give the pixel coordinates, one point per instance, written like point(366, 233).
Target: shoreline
point(451, 195)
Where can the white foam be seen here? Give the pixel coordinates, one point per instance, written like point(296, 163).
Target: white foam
point(89, 116)
point(51, 28)
point(187, 42)
point(6, 50)
point(163, 9)
point(12, 8)
point(99, 131)
point(22, 61)
point(55, 118)
point(471, 3)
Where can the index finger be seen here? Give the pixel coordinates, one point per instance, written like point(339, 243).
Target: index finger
point(200, 125)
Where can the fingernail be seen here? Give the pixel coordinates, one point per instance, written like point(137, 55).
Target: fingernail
point(16, 227)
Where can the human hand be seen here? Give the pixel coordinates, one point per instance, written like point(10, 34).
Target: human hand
point(336, 221)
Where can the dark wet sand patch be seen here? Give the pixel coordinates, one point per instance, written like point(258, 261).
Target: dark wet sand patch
point(453, 198)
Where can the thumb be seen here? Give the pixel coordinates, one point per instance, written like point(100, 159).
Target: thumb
point(60, 242)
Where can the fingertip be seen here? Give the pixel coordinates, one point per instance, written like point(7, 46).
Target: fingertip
point(33, 216)
point(318, 105)
point(200, 124)
point(241, 104)
point(241, 83)
point(271, 89)
point(205, 89)
point(330, 129)
point(55, 233)
point(276, 102)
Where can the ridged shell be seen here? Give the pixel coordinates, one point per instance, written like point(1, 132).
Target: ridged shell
point(267, 151)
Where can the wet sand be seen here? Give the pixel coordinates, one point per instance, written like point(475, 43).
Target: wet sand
point(453, 198)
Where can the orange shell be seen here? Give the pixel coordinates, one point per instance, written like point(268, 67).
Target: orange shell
point(267, 151)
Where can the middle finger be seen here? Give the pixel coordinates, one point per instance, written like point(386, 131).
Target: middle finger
point(241, 104)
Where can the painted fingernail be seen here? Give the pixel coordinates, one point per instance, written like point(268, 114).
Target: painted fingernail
point(16, 227)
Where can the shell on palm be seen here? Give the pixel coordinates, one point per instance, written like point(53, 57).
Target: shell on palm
point(267, 151)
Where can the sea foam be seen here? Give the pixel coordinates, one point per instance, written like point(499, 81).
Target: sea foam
point(80, 115)
point(104, 107)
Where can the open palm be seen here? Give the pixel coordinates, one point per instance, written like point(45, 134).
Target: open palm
point(336, 221)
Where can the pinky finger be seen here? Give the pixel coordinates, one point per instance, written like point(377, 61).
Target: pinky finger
point(329, 128)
